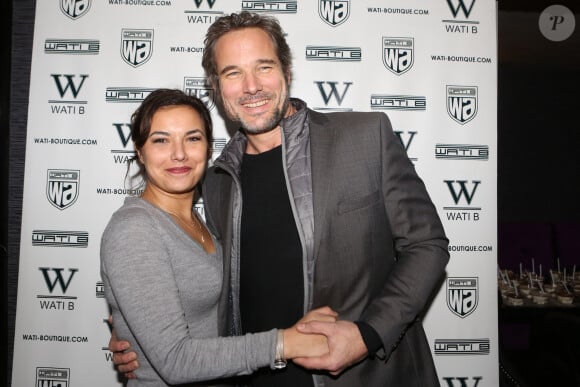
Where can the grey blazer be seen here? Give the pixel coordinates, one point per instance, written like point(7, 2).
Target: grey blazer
point(379, 248)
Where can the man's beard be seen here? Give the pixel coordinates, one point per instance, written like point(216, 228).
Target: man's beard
point(264, 127)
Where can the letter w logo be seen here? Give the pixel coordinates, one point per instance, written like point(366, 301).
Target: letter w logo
point(70, 83)
point(460, 5)
point(462, 190)
point(200, 2)
point(57, 278)
point(462, 381)
point(124, 137)
point(332, 91)
point(406, 144)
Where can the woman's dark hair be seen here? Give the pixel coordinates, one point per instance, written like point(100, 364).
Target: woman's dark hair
point(237, 21)
point(142, 117)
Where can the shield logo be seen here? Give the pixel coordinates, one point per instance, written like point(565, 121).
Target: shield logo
point(136, 46)
point(199, 88)
point(462, 103)
point(334, 12)
point(75, 8)
point(462, 295)
point(62, 187)
point(398, 54)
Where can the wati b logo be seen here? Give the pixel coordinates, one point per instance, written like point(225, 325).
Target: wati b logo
point(57, 279)
point(55, 276)
point(406, 140)
point(334, 53)
point(464, 192)
point(398, 54)
point(100, 289)
point(75, 8)
point(330, 90)
point(462, 381)
point(136, 46)
point(461, 347)
point(459, 189)
point(334, 12)
point(68, 85)
point(199, 88)
point(465, 6)
point(198, 3)
point(462, 103)
point(62, 187)
point(72, 46)
point(270, 6)
point(123, 155)
point(460, 24)
point(462, 152)
point(57, 238)
point(462, 295)
point(127, 94)
point(203, 13)
point(398, 102)
point(52, 377)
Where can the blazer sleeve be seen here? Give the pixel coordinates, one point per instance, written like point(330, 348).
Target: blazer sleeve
point(139, 280)
point(419, 243)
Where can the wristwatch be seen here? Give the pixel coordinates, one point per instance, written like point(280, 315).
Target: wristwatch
point(279, 361)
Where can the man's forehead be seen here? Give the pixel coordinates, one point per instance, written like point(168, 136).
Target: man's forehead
point(245, 39)
point(237, 49)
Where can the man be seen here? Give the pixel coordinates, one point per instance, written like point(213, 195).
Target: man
point(317, 209)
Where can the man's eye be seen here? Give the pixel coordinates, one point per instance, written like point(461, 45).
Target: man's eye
point(233, 74)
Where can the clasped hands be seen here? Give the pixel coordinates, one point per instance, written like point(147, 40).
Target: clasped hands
point(344, 343)
point(319, 341)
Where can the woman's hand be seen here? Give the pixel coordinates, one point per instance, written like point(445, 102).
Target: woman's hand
point(298, 344)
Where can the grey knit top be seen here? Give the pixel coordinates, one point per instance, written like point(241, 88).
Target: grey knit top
point(163, 289)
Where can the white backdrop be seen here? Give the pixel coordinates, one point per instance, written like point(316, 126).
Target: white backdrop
point(431, 66)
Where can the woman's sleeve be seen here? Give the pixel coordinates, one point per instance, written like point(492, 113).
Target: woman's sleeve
point(142, 282)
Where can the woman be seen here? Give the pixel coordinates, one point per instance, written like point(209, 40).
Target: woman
point(162, 268)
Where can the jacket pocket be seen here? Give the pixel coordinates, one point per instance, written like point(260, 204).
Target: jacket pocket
point(358, 202)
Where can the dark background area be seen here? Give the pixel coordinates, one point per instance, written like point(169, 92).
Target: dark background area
point(5, 46)
point(538, 161)
point(538, 131)
point(538, 192)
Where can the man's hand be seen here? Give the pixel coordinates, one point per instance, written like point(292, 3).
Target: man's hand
point(126, 363)
point(323, 313)
point(297, 344)
point(344, 342)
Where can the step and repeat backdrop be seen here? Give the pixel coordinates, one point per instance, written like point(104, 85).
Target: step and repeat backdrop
point(430, 66)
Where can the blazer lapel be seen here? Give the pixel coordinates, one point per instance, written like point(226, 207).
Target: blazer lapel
point(321, 142)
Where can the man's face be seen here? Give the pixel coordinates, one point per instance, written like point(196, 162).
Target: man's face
point(253, 86)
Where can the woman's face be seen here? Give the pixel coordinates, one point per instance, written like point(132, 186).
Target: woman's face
point(176, 151)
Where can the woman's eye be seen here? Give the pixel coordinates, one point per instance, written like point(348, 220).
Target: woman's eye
point(158, 140)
